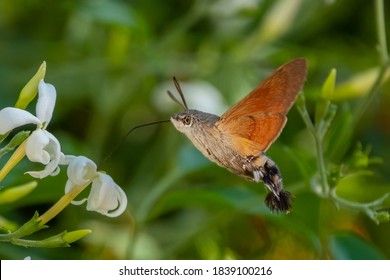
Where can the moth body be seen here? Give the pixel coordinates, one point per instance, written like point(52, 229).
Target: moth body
point(238, 139)
point(200, 128)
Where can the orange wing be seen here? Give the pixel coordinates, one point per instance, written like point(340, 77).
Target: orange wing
point(255, 133)
point(258, 119)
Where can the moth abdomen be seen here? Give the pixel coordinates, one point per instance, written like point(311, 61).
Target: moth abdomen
point(280, 203)
point(264, 169)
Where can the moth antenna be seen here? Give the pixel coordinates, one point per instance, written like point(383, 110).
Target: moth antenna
point(177, 85)
point(176, 100)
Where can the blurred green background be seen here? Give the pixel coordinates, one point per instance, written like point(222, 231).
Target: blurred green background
point(112, 63)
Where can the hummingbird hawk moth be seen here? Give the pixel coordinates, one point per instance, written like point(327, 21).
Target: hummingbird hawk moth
point(239, 138)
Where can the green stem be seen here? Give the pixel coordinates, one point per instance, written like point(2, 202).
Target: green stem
point(26, 229)
point(16, 157)
point(370, 96)
point(39, 243)
point(321, 165)
point(359, 205)
point(61, 204)
point(318, 143)
point(381, 30)
point(381, 33)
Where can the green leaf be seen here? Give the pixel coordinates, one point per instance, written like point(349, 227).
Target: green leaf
point(326, 120)
point(73, 236)
point(362, 186)
point(7, 225)
point(3, 136)
point(30, 90)
point(33, 225)
point(329, 85)
point(378, 216)
point(240, 199)
point(361, 158)
point(323, 105)
point(349, 246)
point(339, 136)
point(358, 85)
point(62, 239)
point(15, 193)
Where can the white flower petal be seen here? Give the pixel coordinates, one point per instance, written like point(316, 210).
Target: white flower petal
point(66, 159)
point(40, 149)
point(46, 102)
point(102, 195)
point(79, 202)
point(11, 118)
point(122, 200)
point(55, 172)
point(81, 170)
point(106, 196)
point(35, 147)
point(69, 185)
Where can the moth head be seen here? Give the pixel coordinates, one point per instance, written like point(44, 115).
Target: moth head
point(190, 121)
point(193, 121)
point(185, 121)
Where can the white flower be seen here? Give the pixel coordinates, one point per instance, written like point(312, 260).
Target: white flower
point(41, 145)
point(106, 197)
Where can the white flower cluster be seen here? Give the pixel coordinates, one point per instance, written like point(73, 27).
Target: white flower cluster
point(106, 197)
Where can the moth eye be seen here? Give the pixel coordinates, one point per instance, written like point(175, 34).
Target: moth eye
point(187, 120)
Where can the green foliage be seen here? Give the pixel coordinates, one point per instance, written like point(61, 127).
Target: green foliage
point(16, 193)
point(349, 246)
point(112, 63)
point(14, 142)
point(28, 93)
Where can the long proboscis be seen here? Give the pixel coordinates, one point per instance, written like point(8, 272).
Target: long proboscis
point(178, 88)
point(128, 133)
